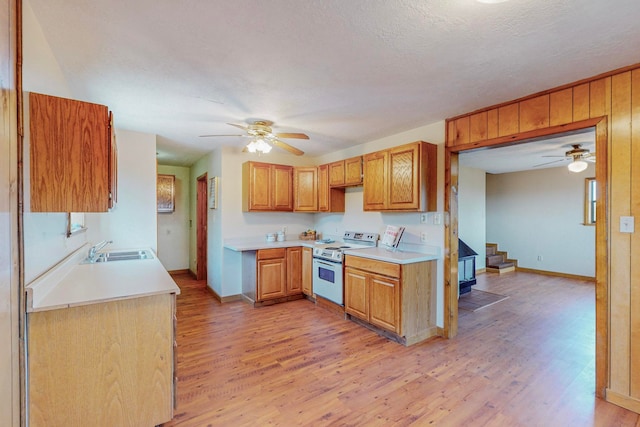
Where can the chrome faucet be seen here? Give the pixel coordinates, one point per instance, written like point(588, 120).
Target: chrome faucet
point(95, 248)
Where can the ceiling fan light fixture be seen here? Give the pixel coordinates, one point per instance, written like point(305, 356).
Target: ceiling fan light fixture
point(577, 166)
point(258, 145)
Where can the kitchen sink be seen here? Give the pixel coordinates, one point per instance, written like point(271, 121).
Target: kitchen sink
point(122, 256)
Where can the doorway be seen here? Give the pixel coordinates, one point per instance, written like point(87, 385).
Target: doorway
point(201, 227)
point(602, 285)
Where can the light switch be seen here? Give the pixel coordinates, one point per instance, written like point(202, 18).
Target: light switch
point(626, 224)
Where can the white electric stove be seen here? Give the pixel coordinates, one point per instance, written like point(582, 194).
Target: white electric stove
point(327, 263)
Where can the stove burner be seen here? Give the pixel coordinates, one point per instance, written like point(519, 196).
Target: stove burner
point(332, 248)
point(344, 247)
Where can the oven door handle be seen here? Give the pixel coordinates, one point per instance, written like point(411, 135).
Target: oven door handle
point(327, 263)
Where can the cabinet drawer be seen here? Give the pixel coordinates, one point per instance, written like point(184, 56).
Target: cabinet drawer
point(271, 253)
point(379, 267)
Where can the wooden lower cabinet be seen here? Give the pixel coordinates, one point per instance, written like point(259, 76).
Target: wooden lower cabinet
point(279, 273)
point(373, 298)
point(272, 273)
point(294, 270)
point(384, 302)
point(122, 376)
point(307, 271)
point(396, 298)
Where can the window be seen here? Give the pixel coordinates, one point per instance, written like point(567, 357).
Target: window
point(590, 201)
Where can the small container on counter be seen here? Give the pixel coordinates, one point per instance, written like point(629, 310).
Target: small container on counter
point(271, 237)
point(281, 236)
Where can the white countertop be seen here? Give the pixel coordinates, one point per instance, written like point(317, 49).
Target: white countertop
point(397, 257)
point(241, 244)
point(71, 284)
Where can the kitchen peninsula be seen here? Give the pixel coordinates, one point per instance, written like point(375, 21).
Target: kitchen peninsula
point(100, 343)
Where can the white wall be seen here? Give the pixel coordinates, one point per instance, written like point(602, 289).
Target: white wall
point(173, 227)
point(229, 221)
point(41, 72)
point(45, 241)
point(132, 222)
point(540, 213)
point(472, 211)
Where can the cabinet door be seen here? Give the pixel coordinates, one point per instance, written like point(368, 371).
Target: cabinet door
point(375, 181)
point(384, 308)
point(272, 275)
point(282, 188)
point(305, 188)
point(336, 173)
point(353, 171)
point(307, 271)
point(294, 270)
point(257, 185)
point(356, 295)
point(69, 155)
point(404, 177)
point(323, 188)
point(330, 199)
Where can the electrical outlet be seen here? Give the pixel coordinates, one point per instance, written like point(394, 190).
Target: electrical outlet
point(423, 237)
point(423, 218)
point(540, 258)
point(437, 218)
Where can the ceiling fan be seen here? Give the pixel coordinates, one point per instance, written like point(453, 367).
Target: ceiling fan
point(579, 157)
point(262, 137)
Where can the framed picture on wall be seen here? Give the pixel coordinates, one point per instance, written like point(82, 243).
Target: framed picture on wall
point(213, 192)
point(166, 193)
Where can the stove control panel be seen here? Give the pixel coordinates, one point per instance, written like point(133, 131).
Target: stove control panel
point(361, 237)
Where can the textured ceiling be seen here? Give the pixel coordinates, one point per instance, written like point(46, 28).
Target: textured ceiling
point(344, 72)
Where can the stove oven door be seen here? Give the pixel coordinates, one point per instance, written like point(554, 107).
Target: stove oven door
point(327, 280)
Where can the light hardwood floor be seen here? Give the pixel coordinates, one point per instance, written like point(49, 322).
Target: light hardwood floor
point(525, 361)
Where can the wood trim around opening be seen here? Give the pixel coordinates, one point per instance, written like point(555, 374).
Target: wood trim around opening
point(450, 328)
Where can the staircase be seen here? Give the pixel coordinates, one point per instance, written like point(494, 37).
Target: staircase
point(498, 261)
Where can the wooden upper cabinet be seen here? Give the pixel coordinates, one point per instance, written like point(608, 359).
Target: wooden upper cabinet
point(330, 199)
point(345, 173)
point(282, 188)
point(353, 171)
point(72, 155)
point(336, 174)
point(401, 178)
point(267, 187)
point(305, 189)
point(404, 177)
point(375, 188)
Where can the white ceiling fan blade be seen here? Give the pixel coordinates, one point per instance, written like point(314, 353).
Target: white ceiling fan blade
point(292, 135)
point(548, 163)
point(208, 136)
point(287, 147)
point(238, 126)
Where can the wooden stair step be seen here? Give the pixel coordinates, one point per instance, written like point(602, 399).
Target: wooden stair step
point(495, 259)
point(502, 265)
